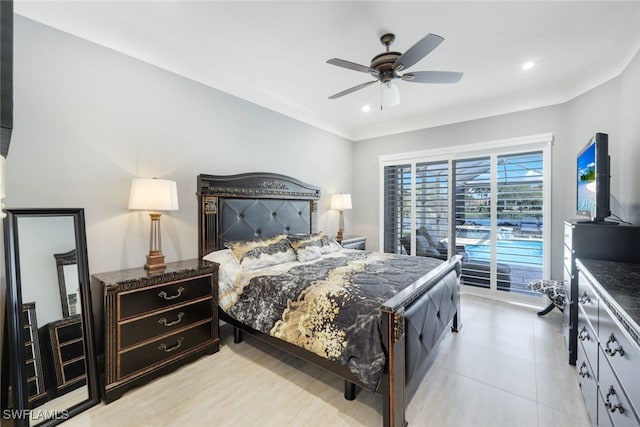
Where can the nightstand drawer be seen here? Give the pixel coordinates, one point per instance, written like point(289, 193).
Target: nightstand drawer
point(165, 348)
point(159, 297)
point(164, 322)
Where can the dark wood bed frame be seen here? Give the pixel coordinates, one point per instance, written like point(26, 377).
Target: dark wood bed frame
point(414, 322)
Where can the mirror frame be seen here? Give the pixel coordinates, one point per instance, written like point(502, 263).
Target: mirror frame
point(62, 260)
point(15, 318)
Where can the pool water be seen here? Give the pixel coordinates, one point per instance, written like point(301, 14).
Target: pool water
point(525, 252)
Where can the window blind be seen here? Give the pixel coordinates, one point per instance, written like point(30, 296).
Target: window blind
point(397, 206)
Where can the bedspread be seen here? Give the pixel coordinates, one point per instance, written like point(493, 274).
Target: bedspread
point(330, 306)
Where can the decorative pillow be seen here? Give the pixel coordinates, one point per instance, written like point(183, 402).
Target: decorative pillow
point(328, 244)
point(227, 272)
point(317, 240)
point(259, 253)
point(307, 248)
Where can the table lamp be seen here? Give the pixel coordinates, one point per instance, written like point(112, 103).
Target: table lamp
point(340, 202)
point(153, 194)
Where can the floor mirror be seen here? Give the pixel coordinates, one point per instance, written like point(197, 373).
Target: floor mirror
point(50, 332)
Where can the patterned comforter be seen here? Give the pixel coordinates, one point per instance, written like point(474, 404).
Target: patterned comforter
point(330, 306)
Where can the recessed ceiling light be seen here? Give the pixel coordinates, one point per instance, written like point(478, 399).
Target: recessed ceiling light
point(366, 109)
point(527, 65)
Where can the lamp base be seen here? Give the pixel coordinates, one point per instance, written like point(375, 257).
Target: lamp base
point(155, 262)
point(339, 235)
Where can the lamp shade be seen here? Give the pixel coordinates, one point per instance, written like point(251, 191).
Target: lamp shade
point(341, 202)
point(153, 194)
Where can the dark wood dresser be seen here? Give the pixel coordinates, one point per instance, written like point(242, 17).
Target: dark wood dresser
point(149, 324)
point(67, 350)
point(35, 377)
point(608, 352)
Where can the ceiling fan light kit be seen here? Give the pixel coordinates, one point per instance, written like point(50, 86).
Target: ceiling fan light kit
point(389, 95)
point(387, 66)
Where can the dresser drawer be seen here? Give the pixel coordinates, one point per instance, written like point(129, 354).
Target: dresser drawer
point(622, 354)
point(71, 350)
point(588, 301)
point(588, 337)
point(73, 371)
point(587, 382)
point(138, 302)
point(568, 259)
point(614, 397)
point(69, 332)
point(164, 322)
point(163, 349)
point(604, 420)
point(568, 234)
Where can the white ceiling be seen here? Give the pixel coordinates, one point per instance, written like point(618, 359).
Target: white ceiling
point(273, 53)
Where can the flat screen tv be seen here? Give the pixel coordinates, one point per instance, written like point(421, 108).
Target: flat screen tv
point(592, 199)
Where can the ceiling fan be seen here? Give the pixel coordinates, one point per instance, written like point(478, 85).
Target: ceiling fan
point(389, 65)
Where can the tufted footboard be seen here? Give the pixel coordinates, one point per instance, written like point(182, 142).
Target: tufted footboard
point(414, 323)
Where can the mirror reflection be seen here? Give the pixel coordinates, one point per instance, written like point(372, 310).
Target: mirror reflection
point(51, 285)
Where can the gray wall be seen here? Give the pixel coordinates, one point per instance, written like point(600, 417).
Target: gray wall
point(611, 108)
point(87, 120)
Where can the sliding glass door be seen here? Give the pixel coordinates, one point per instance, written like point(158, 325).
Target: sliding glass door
point(489, 209)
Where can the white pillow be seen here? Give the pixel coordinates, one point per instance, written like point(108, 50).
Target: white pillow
point(228, 271)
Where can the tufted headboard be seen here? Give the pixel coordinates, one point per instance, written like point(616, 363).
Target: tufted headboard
point(250, 205)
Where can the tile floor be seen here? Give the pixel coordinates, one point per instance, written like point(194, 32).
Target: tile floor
point(506, 367)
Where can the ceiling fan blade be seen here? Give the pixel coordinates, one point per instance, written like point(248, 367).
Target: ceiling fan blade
point(418, 51)
point(433, 77)
point(352, 66)
point(352, 89)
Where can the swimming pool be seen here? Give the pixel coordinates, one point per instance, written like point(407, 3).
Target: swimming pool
point(525, 252)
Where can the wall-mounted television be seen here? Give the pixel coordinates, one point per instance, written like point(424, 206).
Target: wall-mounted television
point(592, 198)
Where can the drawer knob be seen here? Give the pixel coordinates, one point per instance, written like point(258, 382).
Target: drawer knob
point(611, 407)
point(584, 334)
point(585, 298)
point(163, 320)
point(612, 351)
point(165, 296)
point(170, 348)
point(584, 371)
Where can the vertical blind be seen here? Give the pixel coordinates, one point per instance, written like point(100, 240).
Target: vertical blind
point(519, 216)
point(397, 206)
point(497, 203)
point(432, 200)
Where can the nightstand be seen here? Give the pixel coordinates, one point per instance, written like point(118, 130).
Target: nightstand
point(353, 242)
point(149, 324)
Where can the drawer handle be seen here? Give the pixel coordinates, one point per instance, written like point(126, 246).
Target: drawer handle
point(163, 294)
point(585, 298)
point(586, 370)
point(609, 350)
point(584, 334)
point(163, 321)
point(169, 349)
point(609, 406)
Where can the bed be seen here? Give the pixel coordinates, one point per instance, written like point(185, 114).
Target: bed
point(410, 323)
